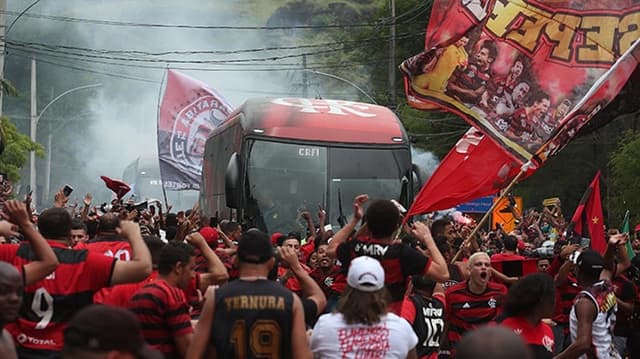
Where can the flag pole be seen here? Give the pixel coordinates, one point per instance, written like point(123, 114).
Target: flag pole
point(164, 191)
point(488, 213)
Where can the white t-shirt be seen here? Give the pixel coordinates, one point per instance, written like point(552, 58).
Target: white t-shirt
point(392, 337)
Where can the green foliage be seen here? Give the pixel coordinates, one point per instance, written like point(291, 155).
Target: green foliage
point(625, 167)
point(8, 88)
point(16, 151)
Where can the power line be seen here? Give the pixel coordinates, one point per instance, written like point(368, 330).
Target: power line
point(109, 74)
point(381, 22)
point(42, 48)
point(243, 67)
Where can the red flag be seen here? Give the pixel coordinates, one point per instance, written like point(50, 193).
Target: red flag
point(474, 168)
point(588, 221)
point(117, 186)
point(189, 111)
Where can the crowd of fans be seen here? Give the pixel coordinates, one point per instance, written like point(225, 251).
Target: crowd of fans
point(123, 281)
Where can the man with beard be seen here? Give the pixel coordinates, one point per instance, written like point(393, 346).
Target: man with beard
point(10, 300)
point(524, 122)
point(474, 302)
point(468, 85)
point(509, 103)
point(502, 87)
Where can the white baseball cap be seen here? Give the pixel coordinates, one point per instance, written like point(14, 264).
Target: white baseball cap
point(365, 274)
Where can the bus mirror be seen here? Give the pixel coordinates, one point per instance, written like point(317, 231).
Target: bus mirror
point(418, 177)
point(232, 186)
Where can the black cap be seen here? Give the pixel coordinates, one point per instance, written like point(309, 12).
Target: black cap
point(255, 247)
point(100, 328)
point(590, 261)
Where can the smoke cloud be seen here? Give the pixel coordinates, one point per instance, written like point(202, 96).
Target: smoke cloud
point(426, 161)
point(121, 115)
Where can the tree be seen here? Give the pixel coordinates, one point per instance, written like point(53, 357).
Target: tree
point(625, 165)
point(16, 151)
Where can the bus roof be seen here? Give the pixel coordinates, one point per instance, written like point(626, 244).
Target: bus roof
point(320, 120)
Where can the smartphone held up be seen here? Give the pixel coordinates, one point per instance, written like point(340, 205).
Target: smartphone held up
point(67, 190)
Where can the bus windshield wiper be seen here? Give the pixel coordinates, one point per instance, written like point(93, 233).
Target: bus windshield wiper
point(342, 220)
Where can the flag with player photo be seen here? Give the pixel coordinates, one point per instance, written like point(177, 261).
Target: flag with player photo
point(189, 111)
point(528, 75)
point(520, 70)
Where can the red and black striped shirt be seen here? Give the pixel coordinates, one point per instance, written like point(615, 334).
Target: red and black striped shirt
point(163, 314)
point(50, 303)
point(467, 310)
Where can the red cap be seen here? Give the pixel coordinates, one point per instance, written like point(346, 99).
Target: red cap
point(637, 229)
point(275, 237)
point(521, 245)
point(209, 233)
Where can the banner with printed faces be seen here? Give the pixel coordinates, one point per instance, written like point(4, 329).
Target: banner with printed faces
point(529, 74)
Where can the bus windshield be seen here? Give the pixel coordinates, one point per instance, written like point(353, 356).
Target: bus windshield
point(285, 179)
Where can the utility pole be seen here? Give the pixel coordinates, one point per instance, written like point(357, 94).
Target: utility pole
point(47, 182)
point(305, 78)
point(392, 56)
point(32, 132)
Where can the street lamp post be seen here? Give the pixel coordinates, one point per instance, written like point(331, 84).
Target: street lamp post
point(35, 118)
point(343, 80)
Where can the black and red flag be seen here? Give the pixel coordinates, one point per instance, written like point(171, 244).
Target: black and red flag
point(587, 221)
point(516, 268)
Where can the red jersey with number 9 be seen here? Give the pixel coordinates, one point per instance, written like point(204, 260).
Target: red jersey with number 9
point(49, 304)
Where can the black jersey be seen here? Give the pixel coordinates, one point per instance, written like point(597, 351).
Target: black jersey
point(253, 319)
point(428, 324)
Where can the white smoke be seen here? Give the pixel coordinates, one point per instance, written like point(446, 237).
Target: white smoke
point(427, 161)
point(121, 124)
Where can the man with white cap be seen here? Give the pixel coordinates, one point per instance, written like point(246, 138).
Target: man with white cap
point(361, 326)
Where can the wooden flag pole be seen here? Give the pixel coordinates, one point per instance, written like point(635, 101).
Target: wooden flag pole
point(486, 215)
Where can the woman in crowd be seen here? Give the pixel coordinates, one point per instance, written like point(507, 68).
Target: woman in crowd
point(528, 302)
point(361, 327)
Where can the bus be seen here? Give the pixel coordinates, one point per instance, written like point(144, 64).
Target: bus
point(272, 159)
point(143, 175)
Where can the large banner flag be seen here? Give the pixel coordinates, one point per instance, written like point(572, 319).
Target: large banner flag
point(189, 111)
point(527, 74)
point(588, 221)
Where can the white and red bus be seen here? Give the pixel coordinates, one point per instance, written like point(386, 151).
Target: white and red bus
point(273, 158)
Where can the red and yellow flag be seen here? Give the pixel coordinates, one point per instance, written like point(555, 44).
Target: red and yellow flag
point(527, 74)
